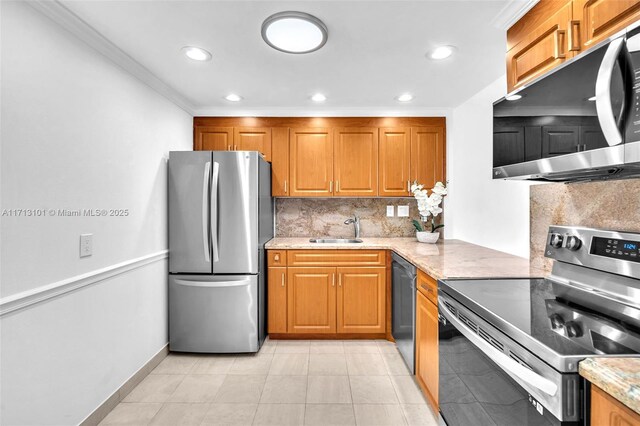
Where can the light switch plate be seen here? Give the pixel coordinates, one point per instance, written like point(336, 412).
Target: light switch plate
point(86, 245)
point(403, 211)
point(391, 211)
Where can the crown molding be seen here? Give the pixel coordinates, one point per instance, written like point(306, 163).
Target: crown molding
point(511, 12)
point(321, 112)
point(67, 19)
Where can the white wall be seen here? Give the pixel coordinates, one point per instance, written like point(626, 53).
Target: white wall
point(78, 133)
point(480, 210)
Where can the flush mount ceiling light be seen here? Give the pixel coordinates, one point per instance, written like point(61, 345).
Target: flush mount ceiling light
point(441, 52)
point(513, 97)
point(294, 32)
point(196, 53)
point(232, 97)
point(318, 97)
point(405, 97)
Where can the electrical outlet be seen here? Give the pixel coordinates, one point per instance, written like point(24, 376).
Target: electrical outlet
point(86, 245)
point(391, 211)
point(403, 211)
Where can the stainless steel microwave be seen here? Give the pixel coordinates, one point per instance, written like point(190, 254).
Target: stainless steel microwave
point(579, 122)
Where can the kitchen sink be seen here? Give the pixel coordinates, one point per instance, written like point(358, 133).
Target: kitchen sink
point(335, 240)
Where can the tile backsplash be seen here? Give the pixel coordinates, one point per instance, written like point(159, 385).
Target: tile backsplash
point(613, 205)
point(324, 217)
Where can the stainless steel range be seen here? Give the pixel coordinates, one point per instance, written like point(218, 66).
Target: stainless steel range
point(510, 348)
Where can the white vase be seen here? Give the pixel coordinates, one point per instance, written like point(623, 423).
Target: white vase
point(427, 237)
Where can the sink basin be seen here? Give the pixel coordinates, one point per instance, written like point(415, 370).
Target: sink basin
point(334, 240)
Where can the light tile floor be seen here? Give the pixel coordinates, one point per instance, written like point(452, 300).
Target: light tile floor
point(352, 382)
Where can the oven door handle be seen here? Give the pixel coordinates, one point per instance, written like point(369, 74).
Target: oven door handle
point(513, 367)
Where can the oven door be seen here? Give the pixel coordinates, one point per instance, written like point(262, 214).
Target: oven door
point(487, 379)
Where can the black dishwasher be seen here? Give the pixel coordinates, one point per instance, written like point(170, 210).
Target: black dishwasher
point(403, 314)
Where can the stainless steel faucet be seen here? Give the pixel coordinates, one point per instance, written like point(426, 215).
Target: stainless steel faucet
point(356, 224)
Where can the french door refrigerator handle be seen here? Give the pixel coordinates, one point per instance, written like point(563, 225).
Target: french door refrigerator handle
point(205, 210)
point(213, 284)
point(523, 373)
point(603, 93)
point(214, 211)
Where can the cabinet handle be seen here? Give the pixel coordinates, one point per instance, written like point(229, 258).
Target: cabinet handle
point(276, 257)
point(559, 38)
point(337, 186)
point(409, 186)
point(340, 280)
point(235, 147)
point(331, 186)
point(333, 280)
point(229, 148)
point(282, 280)
point(574, 25)
point(285, 186)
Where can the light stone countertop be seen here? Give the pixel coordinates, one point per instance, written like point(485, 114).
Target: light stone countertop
point(619, 377)
point(446, 259)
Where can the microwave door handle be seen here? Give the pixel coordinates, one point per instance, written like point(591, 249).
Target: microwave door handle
point(516, 369)
point(205, 210)
point(214, 210)
point(604, 107)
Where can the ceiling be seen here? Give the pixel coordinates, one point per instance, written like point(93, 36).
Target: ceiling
point(375, 51)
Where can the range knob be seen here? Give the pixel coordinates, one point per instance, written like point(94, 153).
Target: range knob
point(573, 243)
point(556, 240)
point(573, 329)
point(556, 321)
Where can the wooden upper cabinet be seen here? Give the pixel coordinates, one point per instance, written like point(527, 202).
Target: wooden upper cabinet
point(394, 162)
point(427, 348)
point(253, 139)
point(280, 161)
point(540, 46)
point(607, 411)
point(311, 162)
point(311, 300)
point(213, 138)
point(277, 300)
point(356, 161)
point(427, 155)
point(599, 19)
point(361, 300)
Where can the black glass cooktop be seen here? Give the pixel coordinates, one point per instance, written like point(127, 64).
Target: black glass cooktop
point(529, 310)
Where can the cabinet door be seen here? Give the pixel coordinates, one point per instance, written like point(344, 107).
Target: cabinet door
point(356, 161)
point(213, 138)
point(311, 163)
point(427, 347)
point(277, 300)
point(508, 145)
point(599, 19)
point(361, 300)
point(394, 162)
point(311, 300)
point(279, 161)
point(607, 411)
point(544, 47)
point(427, 155)
point(253, 139)
point(559, 140)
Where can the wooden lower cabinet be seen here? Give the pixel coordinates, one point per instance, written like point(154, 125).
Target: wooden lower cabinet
point(607, 411)
point(427, 348)
point(277, 296)
point(361, 300)
point(311, 300)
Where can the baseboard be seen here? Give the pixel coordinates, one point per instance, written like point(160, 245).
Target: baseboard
point(110, 403)
point(322, 336)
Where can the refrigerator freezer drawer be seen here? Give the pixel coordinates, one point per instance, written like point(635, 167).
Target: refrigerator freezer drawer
point(213, 314)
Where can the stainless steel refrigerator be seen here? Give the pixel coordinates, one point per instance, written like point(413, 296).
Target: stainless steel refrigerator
point(220, 217)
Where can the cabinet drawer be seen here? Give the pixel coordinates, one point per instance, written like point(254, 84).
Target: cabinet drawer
point(336, 258)
point(428, 286)
point(276, 257)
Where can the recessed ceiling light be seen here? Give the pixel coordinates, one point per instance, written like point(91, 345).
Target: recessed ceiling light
point(592, 99)
point(405, 97)
point(294, 32)
point(232, 97)
point(513, 97)
point(441, 52)
point(318, 97)
point(196, 53)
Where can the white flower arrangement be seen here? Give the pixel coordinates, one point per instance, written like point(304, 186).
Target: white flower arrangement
point(428, 204)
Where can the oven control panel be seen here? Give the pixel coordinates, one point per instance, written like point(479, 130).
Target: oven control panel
point(611, 251)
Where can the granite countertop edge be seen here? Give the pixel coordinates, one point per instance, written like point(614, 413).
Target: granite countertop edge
point(619, 377)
